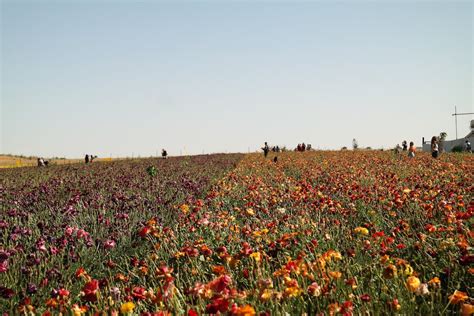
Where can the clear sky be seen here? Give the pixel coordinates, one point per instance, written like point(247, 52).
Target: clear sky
point(116, 78)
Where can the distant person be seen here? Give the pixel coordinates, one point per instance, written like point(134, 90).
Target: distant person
point(164, 154)
point(434, 147)
point(308, 147)
point(303, 147)
point(467, 146)
point(275, 159)
point(404, 145)
point(265, 149)
point(40, 162)
point(298, 148)
point(86, 159)
point(411, 150)
point(92, 157)
point(277, 149)
point(397, 149)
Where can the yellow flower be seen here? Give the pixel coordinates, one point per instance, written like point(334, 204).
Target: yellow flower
point(408, 270)
point(250, 211)
point(256, 256)
point(361, 231)
point(266, 295)
point(78, 311)
point(127, 307)
point(293, 291)
point(413, 283)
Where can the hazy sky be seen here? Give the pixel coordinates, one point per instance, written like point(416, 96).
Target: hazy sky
point(116, 78)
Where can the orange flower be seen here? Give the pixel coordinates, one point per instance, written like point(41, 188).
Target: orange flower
point(292, 291)
point(52, 302)
point(467, 309)
point(435, 282)
point(413, 283)
point(458, 297)
point(219, 270)
point(184, 208)
point(390, 272)
point(246, 310)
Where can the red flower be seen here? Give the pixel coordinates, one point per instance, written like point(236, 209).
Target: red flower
point(221, 283)
point(217, 305)
point(80, 272)
point(365, 298)
point(90, 291)
point(144, 231)
point(192, 312)
point(63, 293)
point(138, 293)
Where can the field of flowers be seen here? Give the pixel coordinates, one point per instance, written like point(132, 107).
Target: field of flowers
point(314, 233)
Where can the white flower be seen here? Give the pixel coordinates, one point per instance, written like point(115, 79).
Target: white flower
point(422, 290)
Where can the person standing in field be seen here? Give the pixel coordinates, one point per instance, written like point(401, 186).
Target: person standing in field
point(397, 149)
point(86, 159)
point(265, 149)
point(404, 145)
point(40, 162)
point(434, 147)
point(411, 150)
point(164, 154)
point(467, 146)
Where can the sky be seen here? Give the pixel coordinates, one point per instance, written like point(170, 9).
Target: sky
point(123, 78)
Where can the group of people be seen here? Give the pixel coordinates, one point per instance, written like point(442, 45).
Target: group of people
point(42, 162)
point(89, 158)
point(276, 149)
point(303, 147)
point(435, 151)
point(411, 150)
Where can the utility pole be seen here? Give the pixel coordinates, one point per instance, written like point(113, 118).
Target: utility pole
point(456, 118)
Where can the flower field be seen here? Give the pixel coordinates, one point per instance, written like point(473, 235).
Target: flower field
point(331, 233)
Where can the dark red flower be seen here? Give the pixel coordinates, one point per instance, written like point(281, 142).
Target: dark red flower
point(217, 305)
point(90, 291)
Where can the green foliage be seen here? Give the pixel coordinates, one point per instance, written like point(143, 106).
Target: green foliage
point(151, 170)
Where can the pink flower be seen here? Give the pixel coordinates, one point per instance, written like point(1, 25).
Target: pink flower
point(109, 244)
point(81, 233)
point(3, 266)
point(69, 230)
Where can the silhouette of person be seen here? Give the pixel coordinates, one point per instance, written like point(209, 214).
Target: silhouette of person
point(265, 149)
